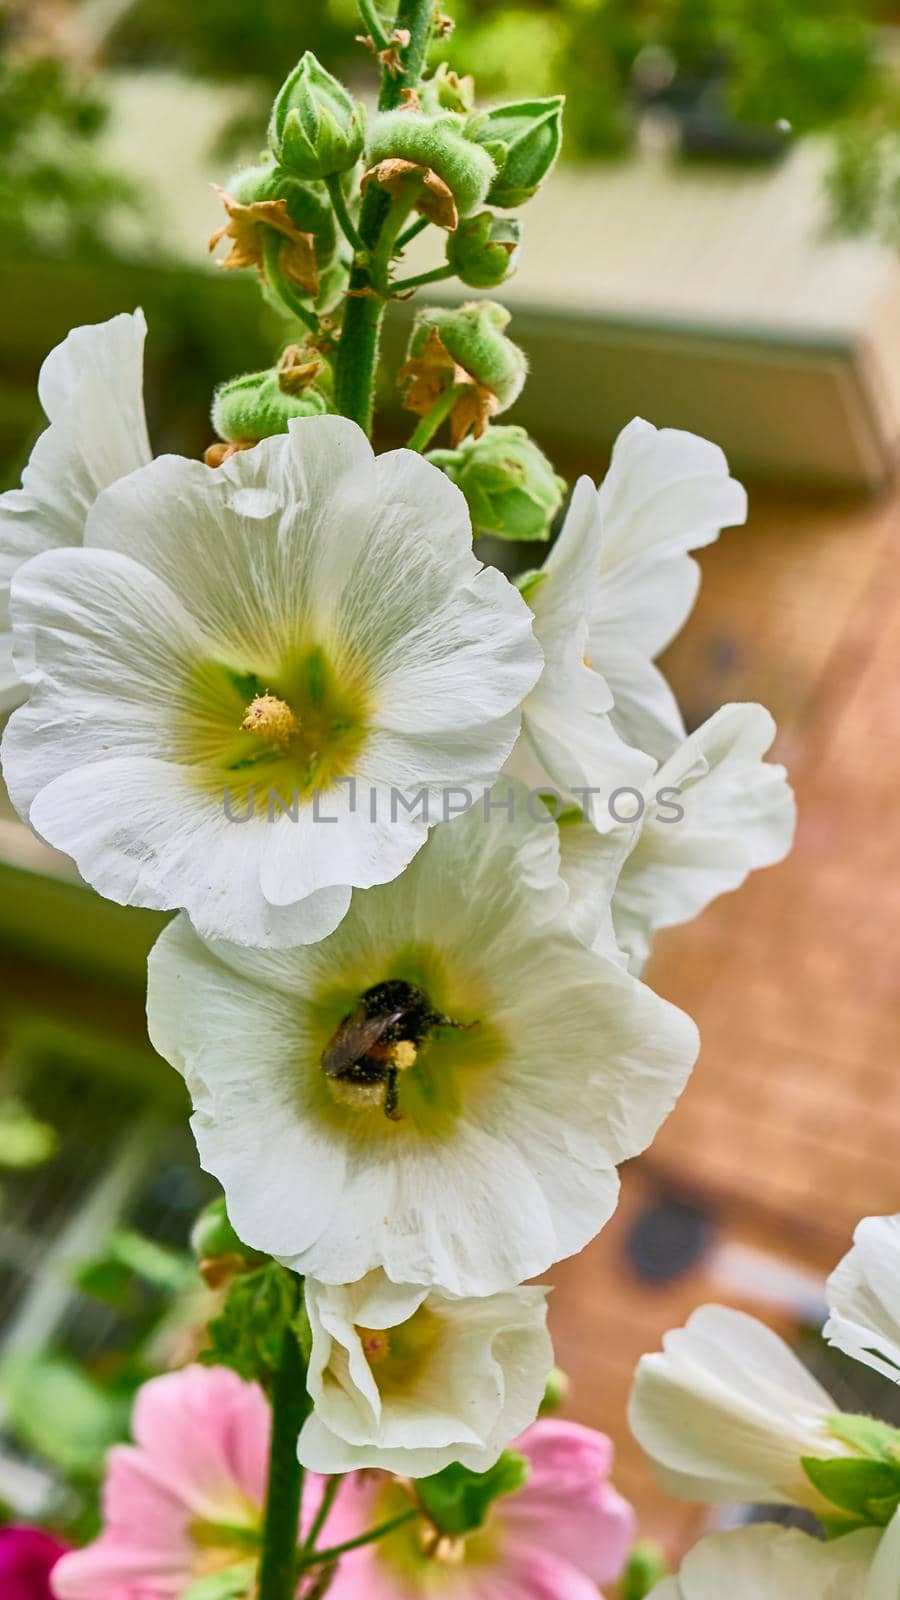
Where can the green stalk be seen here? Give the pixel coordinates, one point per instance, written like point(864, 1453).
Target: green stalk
point(372, 22)
point(434, 276)
point(329, 1494)
point(428, 426)
point(357, 353)
point(320, 1557)
point(290, 1407)
point(344, 219)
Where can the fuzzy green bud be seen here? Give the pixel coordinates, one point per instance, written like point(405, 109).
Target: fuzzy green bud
point(524, 140)
point(511, 490)
point(316, 129)
point(257, 405)
point(473, 335)
point(645, 1568)
point(445, 90)
point(307, 207)
point(556, 1389)
point(437, 143)
point(484, 248)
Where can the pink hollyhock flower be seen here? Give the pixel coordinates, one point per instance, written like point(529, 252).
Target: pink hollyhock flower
point(27, 1557)
point(564, 1533)
point(185, 1499)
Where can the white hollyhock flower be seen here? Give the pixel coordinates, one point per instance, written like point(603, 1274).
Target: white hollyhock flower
point(726, 1411)
point(714, 812)
point(568, 741)
point(765, 1562)
point(234, 675)
point(90, 388)
point(512, 1069)
point(409, 1380)
point(864, 1297)
point(666, 492)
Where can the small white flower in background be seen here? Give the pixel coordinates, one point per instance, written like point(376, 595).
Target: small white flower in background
point(770, 1563)
point(410, 1380)
point(713, 813)
point(726, 1411)
point(666, 492)
point(864, 1297)
point(241, 658)
point(90, 388)
point(568, 741)
point(442, 1088)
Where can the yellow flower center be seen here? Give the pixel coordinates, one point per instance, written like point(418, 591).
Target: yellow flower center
point(376, 1343)
point(270, 719)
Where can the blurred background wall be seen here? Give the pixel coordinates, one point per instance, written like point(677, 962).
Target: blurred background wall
point(719, 253)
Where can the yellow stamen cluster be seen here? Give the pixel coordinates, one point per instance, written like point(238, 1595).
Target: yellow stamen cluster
point(270, 719)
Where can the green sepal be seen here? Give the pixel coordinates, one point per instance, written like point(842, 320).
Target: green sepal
point(438, 142)
point(316, 129)
point(474, 336)
point(248, 1335)
point(524, 139)
point(857, 1485)
point(556, 1390)
point(866, 1434)
point(445, 90)
point(645, 1568)
point(458, 1501)
point(307, 206)
point(510, 487)
point(528, 582)
point(484, 249)
point(232, 1583)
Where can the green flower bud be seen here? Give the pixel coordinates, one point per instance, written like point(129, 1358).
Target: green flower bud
point(438, 144)
point(253, 407)
point(445, 90)
point(308, 208)
point(556, 1390)
point(524, 140)
point(473, 335)
point(484, 248)
point(511, 490)
point(316, 128)
point(212, 1234)
point(645, 1568)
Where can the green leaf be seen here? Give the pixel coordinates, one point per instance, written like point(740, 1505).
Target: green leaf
point(24, 1141)
point(127, 1257)
point(853, 1485)
point(457, 1500)
point(60, 1413)
point(249, 1334)
point(866, 1434)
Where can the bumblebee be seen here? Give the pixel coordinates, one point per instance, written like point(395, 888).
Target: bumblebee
point(378, 1041)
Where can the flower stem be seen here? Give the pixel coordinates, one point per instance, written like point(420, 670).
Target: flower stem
point(372, 22)
point(428, 426)
point(344, 219)
point(325, 1504)
point(434, 276)
point(318, 1557)
point(290, 1407)
point(357, 354)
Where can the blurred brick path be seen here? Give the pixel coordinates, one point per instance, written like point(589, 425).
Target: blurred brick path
point(790, 1128)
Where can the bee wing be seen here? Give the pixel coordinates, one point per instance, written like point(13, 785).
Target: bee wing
point(353, 1039)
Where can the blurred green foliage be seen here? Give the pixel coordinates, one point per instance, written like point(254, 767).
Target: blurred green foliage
point(55, 194)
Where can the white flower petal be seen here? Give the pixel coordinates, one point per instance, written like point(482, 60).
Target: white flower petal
point(570, 1068)
point(565, 717)
point(90, 387)
point(726, 1411)
point(447, 1379)
point(766, 1562)
point(198, 590)
point(737, 815)
point(864, 1297)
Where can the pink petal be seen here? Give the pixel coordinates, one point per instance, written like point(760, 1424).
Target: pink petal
point(206, 1433)
point(568, 1505)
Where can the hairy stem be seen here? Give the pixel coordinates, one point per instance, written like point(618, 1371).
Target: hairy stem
point(344, 220)
point(372, 22)
point(290, 1407)
point(357, 355)
point(434, 276)
point(428, 426)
